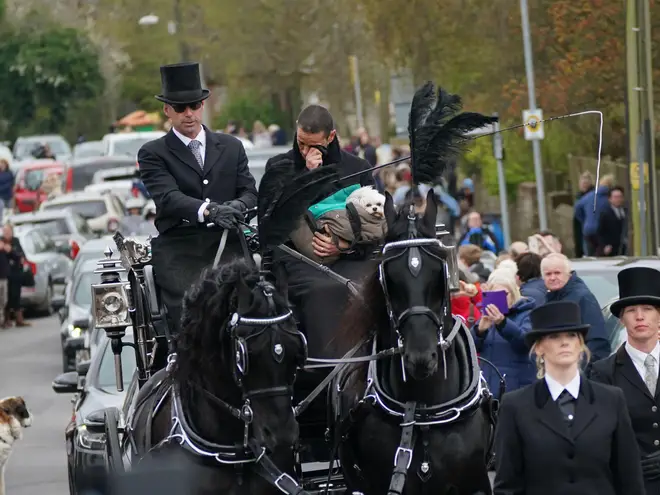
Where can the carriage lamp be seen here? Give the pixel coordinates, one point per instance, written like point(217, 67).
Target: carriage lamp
point(110, 307)
point(448, 242)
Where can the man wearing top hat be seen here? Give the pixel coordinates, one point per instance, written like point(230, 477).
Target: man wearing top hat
point(634, 366)
point(200, 183)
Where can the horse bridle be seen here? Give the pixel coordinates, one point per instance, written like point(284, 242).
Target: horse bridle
point(413, 247)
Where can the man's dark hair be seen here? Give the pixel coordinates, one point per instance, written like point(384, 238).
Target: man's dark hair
point(529, 266)
point(546, 233)
point(314, 119)
point(615, 188)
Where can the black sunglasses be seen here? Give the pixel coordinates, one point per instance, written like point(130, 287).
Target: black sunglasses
point(181, 107)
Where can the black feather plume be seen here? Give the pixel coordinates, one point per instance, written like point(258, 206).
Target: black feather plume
point(437, 133)
point(284, 195)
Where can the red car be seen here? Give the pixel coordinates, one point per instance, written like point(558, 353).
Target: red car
point(27, 186)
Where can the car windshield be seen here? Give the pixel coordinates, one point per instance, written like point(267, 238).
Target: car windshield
point(90, 149)
point(35, 177)
point(57, 146)
point(83, 295)
point(106, 378)
point(83, 173)
point(86, 209)
point(604, 285)
point(129, 147)
point(51, 227)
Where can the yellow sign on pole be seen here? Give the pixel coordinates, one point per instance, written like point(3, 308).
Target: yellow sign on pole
point(634, 174)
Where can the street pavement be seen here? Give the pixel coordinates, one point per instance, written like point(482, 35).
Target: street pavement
point(30, 359)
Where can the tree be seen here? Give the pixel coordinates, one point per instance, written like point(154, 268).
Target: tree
point(44, 75)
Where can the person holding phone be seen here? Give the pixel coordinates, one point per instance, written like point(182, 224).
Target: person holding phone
point(500, 333)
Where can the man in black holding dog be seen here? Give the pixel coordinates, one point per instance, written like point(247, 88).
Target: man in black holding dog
point(200, 183)
point(319, 300)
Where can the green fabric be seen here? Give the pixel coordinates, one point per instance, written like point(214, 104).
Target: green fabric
point(335, 202)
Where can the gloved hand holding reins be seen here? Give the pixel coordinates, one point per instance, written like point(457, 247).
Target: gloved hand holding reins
point(224, 216)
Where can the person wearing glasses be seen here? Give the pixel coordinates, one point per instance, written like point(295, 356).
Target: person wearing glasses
point(200, 183)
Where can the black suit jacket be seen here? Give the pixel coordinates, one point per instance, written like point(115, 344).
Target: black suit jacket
point(612, 232)
point(644, 409)
point(178, 185)
point(538, 454)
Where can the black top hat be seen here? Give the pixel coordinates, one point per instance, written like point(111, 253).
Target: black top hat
point(637, 285)
point(181, 84)
point(555, 317)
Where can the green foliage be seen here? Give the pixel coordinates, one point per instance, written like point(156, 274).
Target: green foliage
point(43, 75)
point(247, 107)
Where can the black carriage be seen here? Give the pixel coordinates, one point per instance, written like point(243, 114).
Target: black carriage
point(142, 310)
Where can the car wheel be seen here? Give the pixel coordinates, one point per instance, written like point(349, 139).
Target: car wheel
point(47, 308)
point(112, 450)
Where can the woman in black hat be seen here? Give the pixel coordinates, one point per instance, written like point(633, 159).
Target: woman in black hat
point(634, 367)
point(196, 178)
point(564, 435)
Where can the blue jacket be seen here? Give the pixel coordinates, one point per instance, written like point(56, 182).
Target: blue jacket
point(535, 290)
point(584, 209)
point(577, 291)
point(480, 237)
point(6, 185)
point(504, 346)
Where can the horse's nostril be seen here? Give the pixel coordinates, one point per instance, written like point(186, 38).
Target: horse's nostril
point(434, 355)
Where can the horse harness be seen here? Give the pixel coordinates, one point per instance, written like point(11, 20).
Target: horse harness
point(412, 414)
point(250, 452)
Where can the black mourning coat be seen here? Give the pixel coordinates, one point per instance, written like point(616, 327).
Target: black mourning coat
point(178, 186)
point(612, 231)
point(537, 453)
point(644, 409)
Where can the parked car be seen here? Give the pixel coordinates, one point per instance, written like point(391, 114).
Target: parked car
point(600, 274)
point(128, 143)
point(88, 149)
point(46, 264)
point(75, 316)
point(29, 179)
point(116, 180)
point(257, 158)
point(68, 230)
point(101, 211)
point(25, 145)
point(91, 250)
point(95, 389)
point(80, 171)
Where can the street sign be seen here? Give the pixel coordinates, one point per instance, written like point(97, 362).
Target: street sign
point(533, 120)
point(634, 174)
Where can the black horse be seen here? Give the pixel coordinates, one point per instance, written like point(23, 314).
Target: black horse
point(228, 399)
point(425, 410)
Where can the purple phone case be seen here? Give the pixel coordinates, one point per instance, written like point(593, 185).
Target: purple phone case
point(496, 297)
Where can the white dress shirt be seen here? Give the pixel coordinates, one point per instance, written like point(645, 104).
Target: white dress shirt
point(638, 357)
point(556, 388)
point(201, 137)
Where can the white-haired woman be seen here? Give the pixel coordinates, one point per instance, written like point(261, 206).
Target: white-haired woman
point(564, 434)
point(500, 338)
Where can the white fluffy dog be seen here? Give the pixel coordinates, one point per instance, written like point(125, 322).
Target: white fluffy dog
point(14, 416)
point(370, 200)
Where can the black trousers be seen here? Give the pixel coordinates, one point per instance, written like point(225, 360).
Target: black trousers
point(319, 300)
point(179, 256)
point(14, 292)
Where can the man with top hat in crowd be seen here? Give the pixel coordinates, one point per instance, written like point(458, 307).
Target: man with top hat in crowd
point(634, 366)
point(200, 183)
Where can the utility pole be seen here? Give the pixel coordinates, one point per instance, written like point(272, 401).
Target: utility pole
point(641, 142)
point(355, 73)
point(531, 92)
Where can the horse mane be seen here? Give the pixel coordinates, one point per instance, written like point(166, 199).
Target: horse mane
point(367, 314)
point(207, 308)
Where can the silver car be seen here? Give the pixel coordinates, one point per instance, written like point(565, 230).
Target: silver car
point(47, 266)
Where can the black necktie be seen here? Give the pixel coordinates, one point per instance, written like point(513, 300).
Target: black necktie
point(566, 404)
